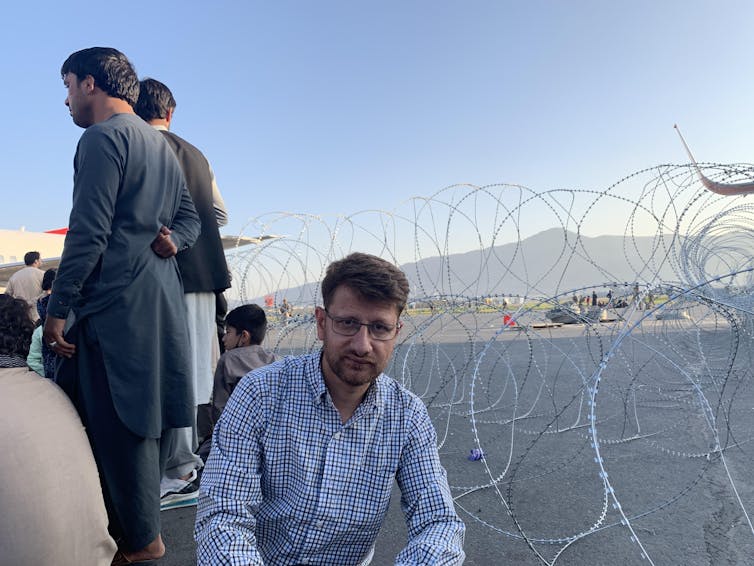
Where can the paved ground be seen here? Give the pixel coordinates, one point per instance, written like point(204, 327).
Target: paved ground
point(667, 482)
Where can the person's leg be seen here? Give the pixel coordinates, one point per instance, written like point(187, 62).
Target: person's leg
point(181, 459)
point(129, 465)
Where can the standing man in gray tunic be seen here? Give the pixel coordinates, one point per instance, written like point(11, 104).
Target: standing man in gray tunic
point(126, 355)
point(204, 272)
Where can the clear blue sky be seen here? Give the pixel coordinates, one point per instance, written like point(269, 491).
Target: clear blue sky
point(328, 107)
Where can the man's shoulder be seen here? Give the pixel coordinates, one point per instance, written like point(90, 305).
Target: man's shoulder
point(282, 367)
point(247, 358)
point(397, 397)
point(183, 143)
point(119, 128)
point(279, 374)
point(27, 271)
point(265, 386)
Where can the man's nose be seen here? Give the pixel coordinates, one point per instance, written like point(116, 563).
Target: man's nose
point(361, 341)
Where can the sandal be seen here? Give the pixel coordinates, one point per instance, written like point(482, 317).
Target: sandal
point(120, 559)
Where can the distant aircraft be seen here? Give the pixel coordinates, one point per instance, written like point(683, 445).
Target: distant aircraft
point(15, 243)
point(719, 188)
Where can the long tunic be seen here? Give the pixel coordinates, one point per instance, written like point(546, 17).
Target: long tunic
point(127, 184)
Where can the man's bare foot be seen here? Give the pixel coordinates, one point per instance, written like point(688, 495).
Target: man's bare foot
point(153, 551)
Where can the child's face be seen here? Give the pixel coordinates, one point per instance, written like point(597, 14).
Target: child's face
point(232, 338)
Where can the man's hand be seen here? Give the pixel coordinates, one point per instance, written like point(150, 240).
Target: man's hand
point(53, 337)
point(163, 245)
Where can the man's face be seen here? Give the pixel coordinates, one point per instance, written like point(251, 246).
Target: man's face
point(77, 99)
point(354, 361)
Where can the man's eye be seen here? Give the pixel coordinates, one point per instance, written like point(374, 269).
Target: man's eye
point(349, 323)
point(379, 327)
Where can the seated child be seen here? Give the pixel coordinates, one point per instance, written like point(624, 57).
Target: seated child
point(245, 328)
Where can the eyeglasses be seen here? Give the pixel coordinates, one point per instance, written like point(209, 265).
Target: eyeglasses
point(351, 327)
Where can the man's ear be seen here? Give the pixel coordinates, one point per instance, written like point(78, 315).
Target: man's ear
point(169, 116)
point(88, 84)
point(319, 314)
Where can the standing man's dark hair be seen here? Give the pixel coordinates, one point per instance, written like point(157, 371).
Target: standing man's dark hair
point(155, 100)
point(111, 70)
point(31, 257)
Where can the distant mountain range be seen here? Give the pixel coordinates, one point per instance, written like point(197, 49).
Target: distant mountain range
point(546, 264)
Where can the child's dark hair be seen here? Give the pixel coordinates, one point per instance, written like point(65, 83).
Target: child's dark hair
point(47, 279)
point(250, 318)
point(16, 327)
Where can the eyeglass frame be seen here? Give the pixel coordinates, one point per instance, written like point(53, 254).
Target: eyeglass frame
point(395, 328)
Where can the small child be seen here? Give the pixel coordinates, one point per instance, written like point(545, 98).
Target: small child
point(245, 328)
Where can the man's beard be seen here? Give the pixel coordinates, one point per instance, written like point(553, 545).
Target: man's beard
point(354, 374)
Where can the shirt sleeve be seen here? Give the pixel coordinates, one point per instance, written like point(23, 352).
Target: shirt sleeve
point(186, 225)
point(10, 288)
point(34, 359)
point(221, 213)
point(435, 532)
point(95, 189)
point(220, 391)
point(230, 491)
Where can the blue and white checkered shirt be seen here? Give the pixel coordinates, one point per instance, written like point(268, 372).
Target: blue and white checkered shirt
point(288, 483)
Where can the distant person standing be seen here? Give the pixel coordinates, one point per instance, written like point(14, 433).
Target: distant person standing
point(204, 272)
point(286, 311)
point(127, 354)
point(26, 284)
point(594, 298)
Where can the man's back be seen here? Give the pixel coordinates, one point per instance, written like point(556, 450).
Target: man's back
point(203, 266)
point(128, 185)
point(26, 284)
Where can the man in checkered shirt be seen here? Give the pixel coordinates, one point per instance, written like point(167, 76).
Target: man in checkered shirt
point(304, 455)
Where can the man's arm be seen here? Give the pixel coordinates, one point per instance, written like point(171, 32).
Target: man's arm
point(230, 490)
point(435, 532)
point(186, 225)
point(95, 190)
point(221, 214)
point(10, 288)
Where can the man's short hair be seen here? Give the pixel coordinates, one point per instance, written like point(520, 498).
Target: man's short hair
point(16, 327)
point(31, 257)
point(372, 277)
point(155, 99)
point(111, 70)
point(250, 318)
